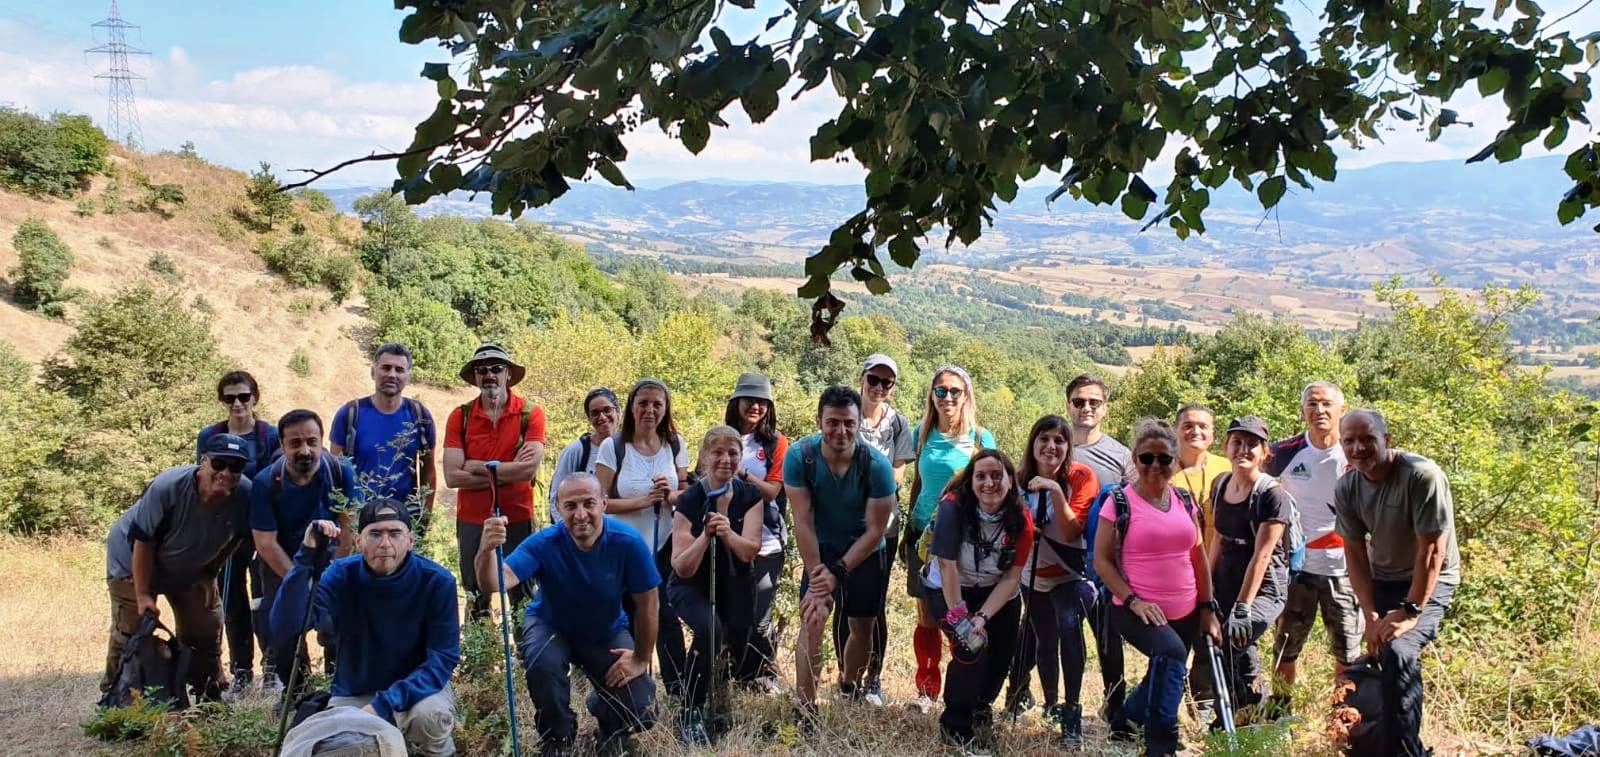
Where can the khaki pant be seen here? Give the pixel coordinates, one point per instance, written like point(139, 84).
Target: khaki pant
point(198, 625)
point(427, 726)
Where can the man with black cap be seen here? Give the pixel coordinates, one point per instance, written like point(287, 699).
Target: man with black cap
point(172, 543)
point(501, 426)
point(395, 617)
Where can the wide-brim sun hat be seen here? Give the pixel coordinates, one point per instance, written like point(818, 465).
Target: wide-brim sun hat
point(754, 386)
point(493, 353)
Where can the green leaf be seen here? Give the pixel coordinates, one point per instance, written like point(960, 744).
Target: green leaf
point(445, 177)
point(1134, 206)
point(436, 71)
point(694, 133)
point(612, 173)
point(1271, 191)
point(1493, 80)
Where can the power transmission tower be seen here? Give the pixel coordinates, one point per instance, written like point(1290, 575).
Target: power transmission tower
point(122, 114)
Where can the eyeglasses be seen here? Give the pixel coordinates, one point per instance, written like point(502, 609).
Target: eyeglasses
point(484, 370)
point(1084, 402)
point(942, 392)
point(886, 383)
point(1151, 458)
point(243, 398)
point(601, 411)
point(227, 464)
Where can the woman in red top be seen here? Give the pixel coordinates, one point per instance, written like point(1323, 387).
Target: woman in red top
point(1059, 596)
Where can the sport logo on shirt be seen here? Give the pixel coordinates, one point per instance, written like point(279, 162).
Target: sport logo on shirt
point(1300, 471)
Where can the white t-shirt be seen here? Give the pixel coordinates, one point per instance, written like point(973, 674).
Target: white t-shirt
point(756, 464)
point(634, 480)
point(1310, 475)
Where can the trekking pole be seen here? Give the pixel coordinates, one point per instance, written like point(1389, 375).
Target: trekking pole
point(319, 561)
point(711, 550)
point(1224, 696)
point(493, 467)
point(1033, 571)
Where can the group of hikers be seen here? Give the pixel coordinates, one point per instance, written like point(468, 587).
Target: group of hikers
point(1163, 544)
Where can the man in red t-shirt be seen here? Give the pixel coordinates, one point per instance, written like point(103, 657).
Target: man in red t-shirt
point(498, 425)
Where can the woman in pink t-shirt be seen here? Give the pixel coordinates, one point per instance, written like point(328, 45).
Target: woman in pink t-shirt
point(1159, 580)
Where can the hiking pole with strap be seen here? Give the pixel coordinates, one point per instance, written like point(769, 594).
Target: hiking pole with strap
point(493, 467)
point(711, 551)
point(1224, 695)
point(319, 561)
point(1033, 571)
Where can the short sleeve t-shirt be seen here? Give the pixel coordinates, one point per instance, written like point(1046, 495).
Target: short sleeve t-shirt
point(1310, 475)
point(755, 463)
point(189, 538)
point(981, 558)
point(837, 502)
point(635, 480)
point(295, 506)
point(1061, 561)
point(584, 602)
point(1414, 499)
point(1198, 484)
point(487, 440)
point(1238, 527)
point(1155, 555)
point(941, 458)
point(1111, 461)
point(387, 447)
point(892, 436)
point(692, 505)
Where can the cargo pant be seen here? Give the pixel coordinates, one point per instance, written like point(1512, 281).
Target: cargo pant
point(428, 726)
point(198, 626)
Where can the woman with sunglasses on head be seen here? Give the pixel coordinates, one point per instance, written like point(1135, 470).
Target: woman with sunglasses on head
point(643, 469)
point(981, 539)
point(1057, 493)
point(601, 409)
point(751, 411)
point(238, 392)
point(945, 442)
point(1148, 553)
point(1249, 561)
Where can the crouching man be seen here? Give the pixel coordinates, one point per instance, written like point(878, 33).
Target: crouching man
point(173, 542)
point(584, 565)
point(395, 617)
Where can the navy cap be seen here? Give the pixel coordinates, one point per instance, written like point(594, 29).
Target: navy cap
point(381, 509)
point(1253, 426)
point(227, 445)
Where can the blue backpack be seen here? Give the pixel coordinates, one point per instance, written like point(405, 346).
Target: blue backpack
point(1294, 539)
point(1119, 503)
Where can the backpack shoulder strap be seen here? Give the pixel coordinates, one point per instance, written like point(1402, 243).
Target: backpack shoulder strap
point(1187, 498)
point(619, 447)
point(352, 411)
point(522, 425)
point(676, 443)
point(864, 470)
point(276, 487)
point(587, 446)
point(810, 450)
point(262, 430)
point(466, 417)
point(424, 425)
point(335, 468)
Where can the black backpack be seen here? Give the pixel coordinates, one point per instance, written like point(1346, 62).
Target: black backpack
point(153, 666)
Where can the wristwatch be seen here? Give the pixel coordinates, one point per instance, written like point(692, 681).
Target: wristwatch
point(1215, 608)
point(1411, 609)
point(838, 569)
point(1130, 599)
point(982, 614)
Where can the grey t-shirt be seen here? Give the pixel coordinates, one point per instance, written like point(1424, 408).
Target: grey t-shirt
point(892, 437)
point(1108, 458)
point(1414, 499)
point(190, 539)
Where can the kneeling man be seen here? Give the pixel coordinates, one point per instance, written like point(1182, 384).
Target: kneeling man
point(395, 617)
point(584, 564)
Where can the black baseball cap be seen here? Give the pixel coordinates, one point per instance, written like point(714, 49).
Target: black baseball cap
point(227, 445)
point(1253, 426)
point(379, 510)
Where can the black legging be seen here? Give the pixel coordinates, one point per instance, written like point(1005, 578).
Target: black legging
point(236, 610)
point(669, 633)
point(971, 687)
point(733, 619)
point(1055, 624)
point(880, 630)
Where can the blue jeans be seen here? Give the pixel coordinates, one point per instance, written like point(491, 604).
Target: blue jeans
point(1154, 703)
point(546, 656)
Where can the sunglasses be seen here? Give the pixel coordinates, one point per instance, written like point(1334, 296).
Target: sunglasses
point(229, 399)
point(1084, 402)
point(886, 383)
point(1151, 458)
point(225, 464)
point(484, 370)
point(942, 392)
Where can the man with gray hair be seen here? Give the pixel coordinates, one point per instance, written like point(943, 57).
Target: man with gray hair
point(390, 438)
point(1308, 466)
point(1398, 524)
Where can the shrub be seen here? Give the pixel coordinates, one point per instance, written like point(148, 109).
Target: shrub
point(434, 331)
point(157, 197)
point(84, 208)
point(303, 261)
point(162, 263)
point(300, 362)
point(43, 262)
point(54, 157)
point(314, 200)
point(268, 204)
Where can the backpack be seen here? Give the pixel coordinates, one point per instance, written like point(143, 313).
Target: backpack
point(262, 429)
point(621, 448)
point(1123, 516)
point(352, 411)
point(154, 667)
point(522, 427)
point(811, 449)
point(1294, 539)
point(583, 457)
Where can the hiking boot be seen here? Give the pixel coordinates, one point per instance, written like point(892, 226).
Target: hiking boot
point(850, 692)
point(270, 685)
point(806, 719)
point(1122, 730)
point(239, 687)
point(874, 694)
point(923, 704)
point(692, 728)
point(618, 745)
point(1018, 702)
point(767, 686)
point(1070, 719)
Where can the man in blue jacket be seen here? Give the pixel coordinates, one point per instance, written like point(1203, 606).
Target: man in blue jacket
point(395, 617)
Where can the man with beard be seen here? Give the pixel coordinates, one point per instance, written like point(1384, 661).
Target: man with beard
point(303, 485)
point(498, 425)
point(390, 438)
point(394, 615)
point(173, 542)
point(1398, 524)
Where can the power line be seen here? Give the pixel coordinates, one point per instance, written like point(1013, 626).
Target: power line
point(122, 113)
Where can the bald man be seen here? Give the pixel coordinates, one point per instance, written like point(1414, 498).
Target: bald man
point(1398, 524)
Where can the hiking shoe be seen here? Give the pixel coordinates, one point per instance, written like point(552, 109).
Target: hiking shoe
point(1019, 702)
point(692, 728)
point(850, 692)
point(767, 686)
point(874, 695)
point(806, 719)
point(923, 704)
point(239, 687)
point(1122, 730)
point(270, 685)
point(1070, 719)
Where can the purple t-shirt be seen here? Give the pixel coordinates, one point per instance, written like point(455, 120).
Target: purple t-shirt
point(1155, 553)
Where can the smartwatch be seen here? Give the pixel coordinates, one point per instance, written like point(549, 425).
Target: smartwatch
point(838, 569)
point(1130, 599)
point(1411, 609)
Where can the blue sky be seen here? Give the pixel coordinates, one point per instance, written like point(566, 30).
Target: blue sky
point(307, 84)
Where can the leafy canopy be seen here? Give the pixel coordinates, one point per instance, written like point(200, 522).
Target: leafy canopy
point(950, 104)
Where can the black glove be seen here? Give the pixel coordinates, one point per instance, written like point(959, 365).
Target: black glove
point(321, 552)
point(1239, 625)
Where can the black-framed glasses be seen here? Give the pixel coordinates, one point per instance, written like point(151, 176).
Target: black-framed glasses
point(943, 392)
point(485, 370)
point(1082, 403)
point(886, 383)
point(241, 398)
point(1151, 458)
point(602, 411)
point(231, 465)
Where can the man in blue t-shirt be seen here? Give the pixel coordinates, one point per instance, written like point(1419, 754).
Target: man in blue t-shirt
point(840, 494)
point(304, 484)
point(390, 438)
point(585, 564)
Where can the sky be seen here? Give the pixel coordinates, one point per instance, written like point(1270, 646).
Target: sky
point(303, 84)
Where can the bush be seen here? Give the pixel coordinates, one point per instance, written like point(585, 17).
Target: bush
point(162, 263)
point(314, 200)
point(43, 262)
point(157, 197)
point(435, 332)
point(84, 208)
point(303, 261)
point(300, 362)
point(269, 206)
point(54, 157)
